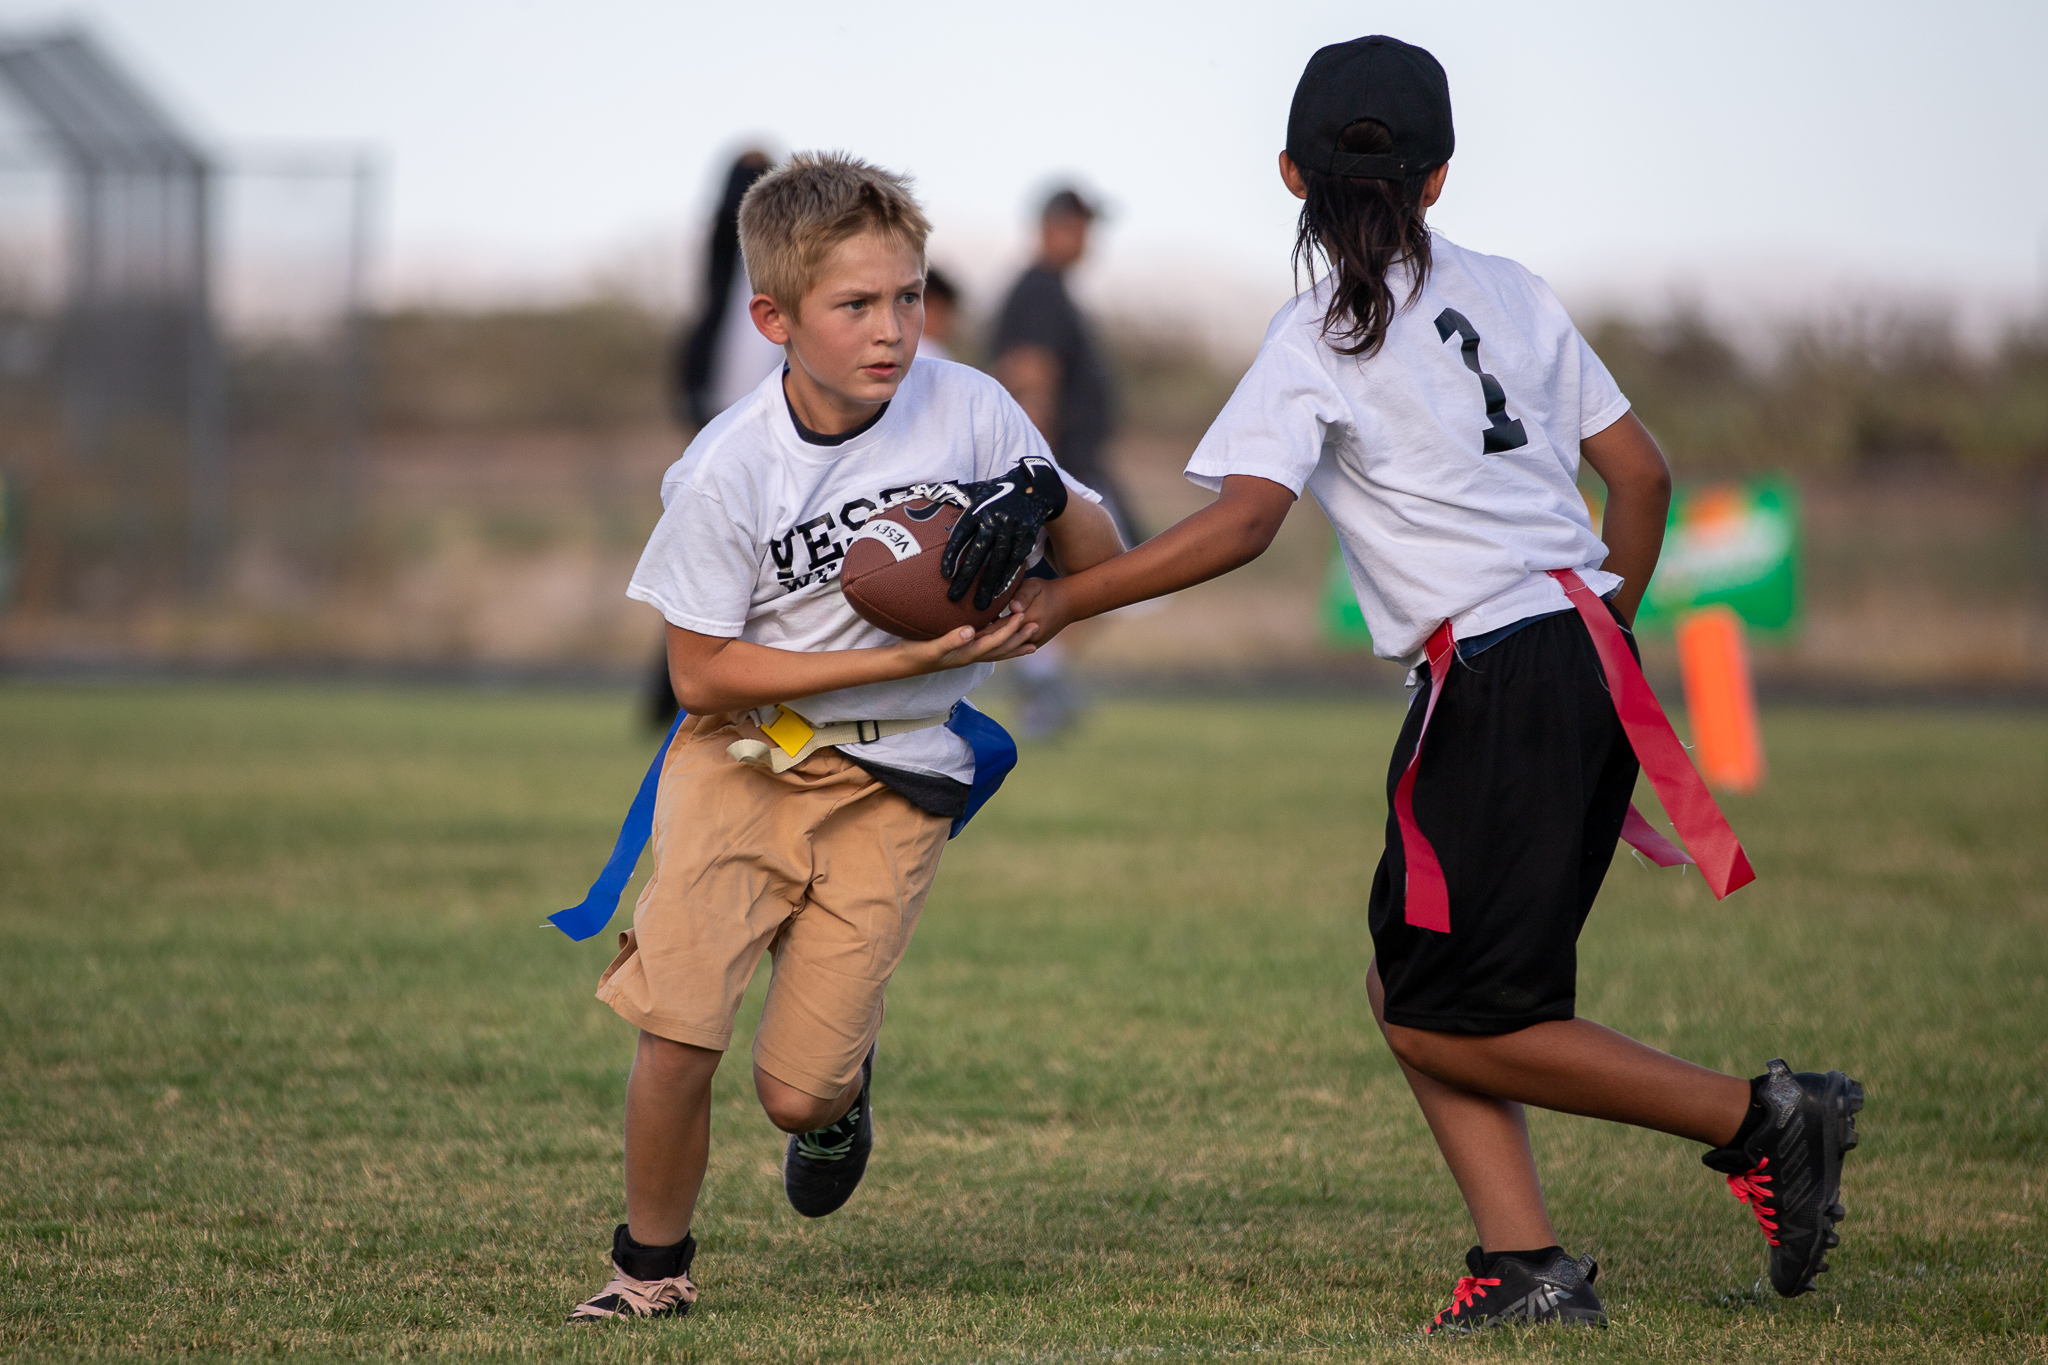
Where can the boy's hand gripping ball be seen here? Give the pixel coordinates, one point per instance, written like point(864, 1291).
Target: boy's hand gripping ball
point(891, 572)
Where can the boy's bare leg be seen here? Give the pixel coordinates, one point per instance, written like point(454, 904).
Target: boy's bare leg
point(1485, 1142)
point(668, 1137)
point(798, 1111)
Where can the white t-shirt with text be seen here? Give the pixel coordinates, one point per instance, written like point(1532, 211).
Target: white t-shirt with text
point(1451, 497)
point(755, 522)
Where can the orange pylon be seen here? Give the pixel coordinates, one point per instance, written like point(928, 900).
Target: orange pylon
point(1720, 698)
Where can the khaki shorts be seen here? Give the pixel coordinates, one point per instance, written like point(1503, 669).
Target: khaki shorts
point(822, 867)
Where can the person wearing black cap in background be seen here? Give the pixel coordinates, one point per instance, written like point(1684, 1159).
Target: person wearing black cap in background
point(1045, 353)
point(718, 358)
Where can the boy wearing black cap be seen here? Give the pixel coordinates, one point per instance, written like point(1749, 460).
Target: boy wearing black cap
point(1438, 402)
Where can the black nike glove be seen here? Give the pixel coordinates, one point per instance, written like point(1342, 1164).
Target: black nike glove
point(999, 528)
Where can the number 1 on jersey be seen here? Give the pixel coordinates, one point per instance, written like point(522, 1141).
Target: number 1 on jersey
point(1503, 433)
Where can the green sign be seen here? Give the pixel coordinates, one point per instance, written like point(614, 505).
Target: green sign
point(1343, 620)
point(1731, 543)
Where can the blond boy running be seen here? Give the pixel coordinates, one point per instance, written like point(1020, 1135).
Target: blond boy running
point(822, 863)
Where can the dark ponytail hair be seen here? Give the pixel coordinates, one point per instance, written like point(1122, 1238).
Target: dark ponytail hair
point(1362, 229)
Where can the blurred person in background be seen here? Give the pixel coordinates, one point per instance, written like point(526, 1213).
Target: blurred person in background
point(719, 358)
point(1045, 353)
point(941, 315)
point(723, 356)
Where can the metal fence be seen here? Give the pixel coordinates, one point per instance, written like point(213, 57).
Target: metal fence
point(182, 365)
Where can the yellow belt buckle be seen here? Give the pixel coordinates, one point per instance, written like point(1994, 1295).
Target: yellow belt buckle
point(789, 730)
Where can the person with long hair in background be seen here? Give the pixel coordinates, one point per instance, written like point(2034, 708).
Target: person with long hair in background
point(718, 359)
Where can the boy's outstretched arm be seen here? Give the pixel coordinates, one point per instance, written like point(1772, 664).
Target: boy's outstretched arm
point(1227, 534)
point(711, 673)
point(1626, 456)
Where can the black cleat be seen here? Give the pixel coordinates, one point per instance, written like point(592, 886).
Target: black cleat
point(1789, 1171)
point(822, 1168)
point(1558, 1290)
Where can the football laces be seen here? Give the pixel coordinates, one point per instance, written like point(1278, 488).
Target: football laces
point(931, 492)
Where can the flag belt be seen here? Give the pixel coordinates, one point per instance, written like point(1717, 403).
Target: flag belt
point(995, 753)
point(796, 739)
point(1713, 846)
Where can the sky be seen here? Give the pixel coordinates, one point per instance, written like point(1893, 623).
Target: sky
point(1764, 153)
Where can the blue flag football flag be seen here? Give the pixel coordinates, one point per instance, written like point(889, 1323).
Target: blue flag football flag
point(589, 919)
point(995, 753)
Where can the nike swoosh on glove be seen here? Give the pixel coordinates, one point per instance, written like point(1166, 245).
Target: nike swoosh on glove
point(995, 535)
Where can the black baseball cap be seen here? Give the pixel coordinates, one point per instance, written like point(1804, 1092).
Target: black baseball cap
point(1380, 78)
point(1066, 201)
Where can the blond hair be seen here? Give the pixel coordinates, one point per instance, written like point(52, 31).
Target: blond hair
point(792, 218)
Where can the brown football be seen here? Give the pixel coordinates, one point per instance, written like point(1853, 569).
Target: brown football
point(891, 573)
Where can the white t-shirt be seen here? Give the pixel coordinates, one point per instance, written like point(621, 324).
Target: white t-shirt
point(1434, 525)
point(755, 522)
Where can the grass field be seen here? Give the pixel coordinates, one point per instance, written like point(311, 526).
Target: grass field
point(286, 1066)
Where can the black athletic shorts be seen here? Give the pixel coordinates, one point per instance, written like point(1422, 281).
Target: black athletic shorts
point(1525, 780)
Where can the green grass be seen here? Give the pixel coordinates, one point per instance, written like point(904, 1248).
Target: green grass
point(286, 1066)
